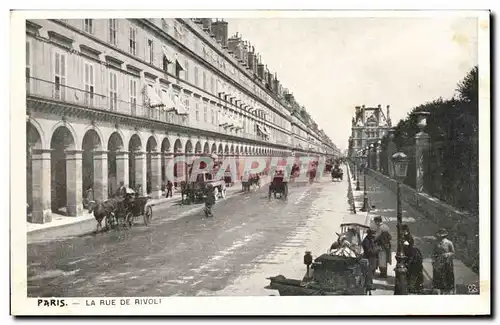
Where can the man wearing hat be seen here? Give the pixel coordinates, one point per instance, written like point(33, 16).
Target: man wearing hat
point(443, 276)
point(383, 240)
point(370, 252)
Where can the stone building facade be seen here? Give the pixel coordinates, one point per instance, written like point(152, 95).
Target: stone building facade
point(369, 125)
point(113, 100)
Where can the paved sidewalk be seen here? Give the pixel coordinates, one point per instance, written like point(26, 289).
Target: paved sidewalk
point(163, 202)
point(383, 203)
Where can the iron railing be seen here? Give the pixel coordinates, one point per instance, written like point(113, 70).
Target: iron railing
point(71, 95)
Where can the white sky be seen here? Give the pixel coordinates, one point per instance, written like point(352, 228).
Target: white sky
point(334, 64)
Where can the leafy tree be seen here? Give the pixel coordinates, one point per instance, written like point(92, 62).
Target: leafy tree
point(468, 87)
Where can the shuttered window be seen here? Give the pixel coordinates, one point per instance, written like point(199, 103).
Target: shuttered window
point(133, 41)
point(60, 76)
point(88, 26)
point(89, 81)
point(113, 28)
point(113, 91)
point(133, 96)
point(150, 53)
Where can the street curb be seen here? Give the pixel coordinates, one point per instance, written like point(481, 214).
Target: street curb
point(59, 226)
point(350, 194)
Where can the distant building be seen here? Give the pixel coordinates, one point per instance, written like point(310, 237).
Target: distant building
point(368, 126)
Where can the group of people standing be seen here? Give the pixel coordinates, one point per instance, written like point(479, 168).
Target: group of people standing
point(377, 250)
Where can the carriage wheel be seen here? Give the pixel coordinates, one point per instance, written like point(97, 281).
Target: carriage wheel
point(216, 193)
point(129, 219)
point(148, 215)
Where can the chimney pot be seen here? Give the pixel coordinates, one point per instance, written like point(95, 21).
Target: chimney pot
point(379, 106)
point(363, 106)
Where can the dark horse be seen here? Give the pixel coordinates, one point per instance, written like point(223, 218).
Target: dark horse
point(252, 181)
point(110, 209)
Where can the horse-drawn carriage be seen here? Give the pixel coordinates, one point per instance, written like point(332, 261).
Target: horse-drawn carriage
point(278, 185)
point(122, 210)
point(252, 180)
point(196, 191)
point(341, 271)
point(337, 174)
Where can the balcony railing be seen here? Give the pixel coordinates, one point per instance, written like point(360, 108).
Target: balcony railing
point(49, 90)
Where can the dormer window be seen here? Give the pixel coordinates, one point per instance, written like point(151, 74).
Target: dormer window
point(88, 26)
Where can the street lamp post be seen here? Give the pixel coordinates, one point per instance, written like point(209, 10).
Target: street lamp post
point(365, 194)
point(400, 161)
point(355, 167)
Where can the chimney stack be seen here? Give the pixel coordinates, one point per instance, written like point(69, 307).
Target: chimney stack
point(260, 70)
point(207, 24)
point(234, 45)
point(219, 29)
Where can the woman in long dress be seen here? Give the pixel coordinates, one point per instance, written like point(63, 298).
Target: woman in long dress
point(443, 277)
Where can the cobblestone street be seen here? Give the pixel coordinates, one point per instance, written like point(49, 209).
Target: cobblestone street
point(249, 239)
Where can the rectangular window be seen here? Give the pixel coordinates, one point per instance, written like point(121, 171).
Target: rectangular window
point(113, 27)
point(204, 81)
point(197, 107)
point(89, 81)
point(212, 85)
point(151, 54)
point(87, 26)
point(205, 114)
point(133, 41)
point(28, 66)
point(133, 96)
point(113, 91)
point(60, 76)
point(212, 113)
point(196, 81)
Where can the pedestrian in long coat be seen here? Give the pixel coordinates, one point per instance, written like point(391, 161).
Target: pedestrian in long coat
point(370, 252)
point(415, 268)
point(443, 276)
point(383, 240)
point(169, 189)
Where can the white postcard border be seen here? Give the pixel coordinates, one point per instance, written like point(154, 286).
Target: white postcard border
point(345, 305)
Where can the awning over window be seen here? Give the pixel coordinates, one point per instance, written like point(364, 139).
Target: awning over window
point(180, 108)
point(154, 99)
point(167, 101)
point(168, 56)
point(179, 64)
point(259, 128)
point(266, 131)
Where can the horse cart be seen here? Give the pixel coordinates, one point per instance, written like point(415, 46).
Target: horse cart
point(278, 186)
point(337, 174)
point(136, 207)
point(340, 271)
point(252, 180)
point(196, 191)
point(122, 209)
